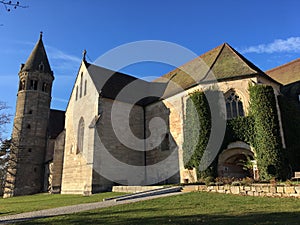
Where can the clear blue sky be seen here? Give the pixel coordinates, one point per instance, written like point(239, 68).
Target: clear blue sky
point(265, 32)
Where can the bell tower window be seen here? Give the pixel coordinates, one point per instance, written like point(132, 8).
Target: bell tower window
point(22, 85)
point(33, 85)
point(45, 87)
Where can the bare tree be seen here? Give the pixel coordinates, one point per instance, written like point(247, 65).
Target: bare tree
point(5, 118)
point(8, 5)
point(4, 144)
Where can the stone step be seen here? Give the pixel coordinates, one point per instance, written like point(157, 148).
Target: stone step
point(158, 191)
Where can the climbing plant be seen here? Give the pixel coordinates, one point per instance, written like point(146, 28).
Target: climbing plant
point(197, 126)
point(266, 141)
point(260, 130)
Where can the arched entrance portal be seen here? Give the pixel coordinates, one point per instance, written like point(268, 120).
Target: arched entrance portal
point(237, 161)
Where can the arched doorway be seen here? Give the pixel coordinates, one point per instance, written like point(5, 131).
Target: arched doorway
point(237, 161)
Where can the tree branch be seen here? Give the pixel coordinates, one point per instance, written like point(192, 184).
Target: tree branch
point(10, 4)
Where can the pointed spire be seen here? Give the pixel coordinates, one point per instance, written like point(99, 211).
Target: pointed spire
point(38, 60)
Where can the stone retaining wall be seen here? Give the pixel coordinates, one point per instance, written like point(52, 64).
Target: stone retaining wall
point(253, 190)
point(134, 189)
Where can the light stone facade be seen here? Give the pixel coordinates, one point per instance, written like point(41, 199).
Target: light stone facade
point(110, 139)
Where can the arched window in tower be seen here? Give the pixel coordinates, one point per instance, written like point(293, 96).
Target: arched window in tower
point(80, 135)
point(85, 86)
point(22, 85)
point(33, 85)
point(41, 66)
point(80, 92)
point(234, 105)
point(45, 87)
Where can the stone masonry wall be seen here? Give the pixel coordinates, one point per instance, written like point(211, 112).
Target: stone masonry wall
point(253, 190)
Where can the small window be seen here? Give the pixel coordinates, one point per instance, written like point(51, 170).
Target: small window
point(33, 84)
point(30, 111)
point(28, 126)
point(29, 150)
point(35, 169)
point(85, 85)
point(45, 87)
point(41, 66)
point(22, 85)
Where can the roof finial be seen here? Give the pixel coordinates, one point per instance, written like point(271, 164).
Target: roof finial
point(84, 55)
point(41, 35)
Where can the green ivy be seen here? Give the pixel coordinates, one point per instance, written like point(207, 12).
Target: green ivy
point(197, 126)
point(260, 130)
point(266, 130)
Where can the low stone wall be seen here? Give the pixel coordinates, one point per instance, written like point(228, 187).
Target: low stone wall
point(253, 190)
point(134, 189)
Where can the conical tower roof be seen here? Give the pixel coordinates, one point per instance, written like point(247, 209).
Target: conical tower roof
point(38, 59)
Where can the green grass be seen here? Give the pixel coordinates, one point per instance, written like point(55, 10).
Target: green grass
point(191, 208)
point(45, 201)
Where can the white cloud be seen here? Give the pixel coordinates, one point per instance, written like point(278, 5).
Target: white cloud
point(289, 45)
point(57, 54)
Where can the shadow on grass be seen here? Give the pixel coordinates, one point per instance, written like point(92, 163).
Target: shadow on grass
point(100, 218)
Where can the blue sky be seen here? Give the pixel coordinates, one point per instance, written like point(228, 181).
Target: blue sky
point(266, 32)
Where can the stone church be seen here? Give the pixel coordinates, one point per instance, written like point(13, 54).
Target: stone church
point(119, 129)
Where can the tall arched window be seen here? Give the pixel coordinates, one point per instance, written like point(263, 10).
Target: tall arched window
point(80, 135)
point(234, 105)
point(76, 92)
point(85, 86)
point(80, 91)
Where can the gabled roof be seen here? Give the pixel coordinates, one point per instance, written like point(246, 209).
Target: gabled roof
point(223, 61)
point(287, 73)
point(135, 91)
point(56, 123)
point(37, 57)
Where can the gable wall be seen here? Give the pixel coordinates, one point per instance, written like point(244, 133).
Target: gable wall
point(77, 168)
point(172, 110)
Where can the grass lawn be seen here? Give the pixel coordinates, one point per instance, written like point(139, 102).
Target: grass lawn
point(45, 201)
point(191, 208)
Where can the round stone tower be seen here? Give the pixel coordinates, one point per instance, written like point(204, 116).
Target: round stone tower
point(29, 137)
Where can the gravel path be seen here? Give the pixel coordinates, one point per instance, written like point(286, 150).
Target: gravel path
point(73, 209)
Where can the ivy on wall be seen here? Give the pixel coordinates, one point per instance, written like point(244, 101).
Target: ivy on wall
point(260, 130)
point(197, 126)
point(266, 141)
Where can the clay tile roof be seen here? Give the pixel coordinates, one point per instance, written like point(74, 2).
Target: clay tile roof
point(37, 57)
point(287, 73)
point(225, 63)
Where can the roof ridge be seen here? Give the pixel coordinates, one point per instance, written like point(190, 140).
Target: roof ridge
point(192, 60)
point(284, 65)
